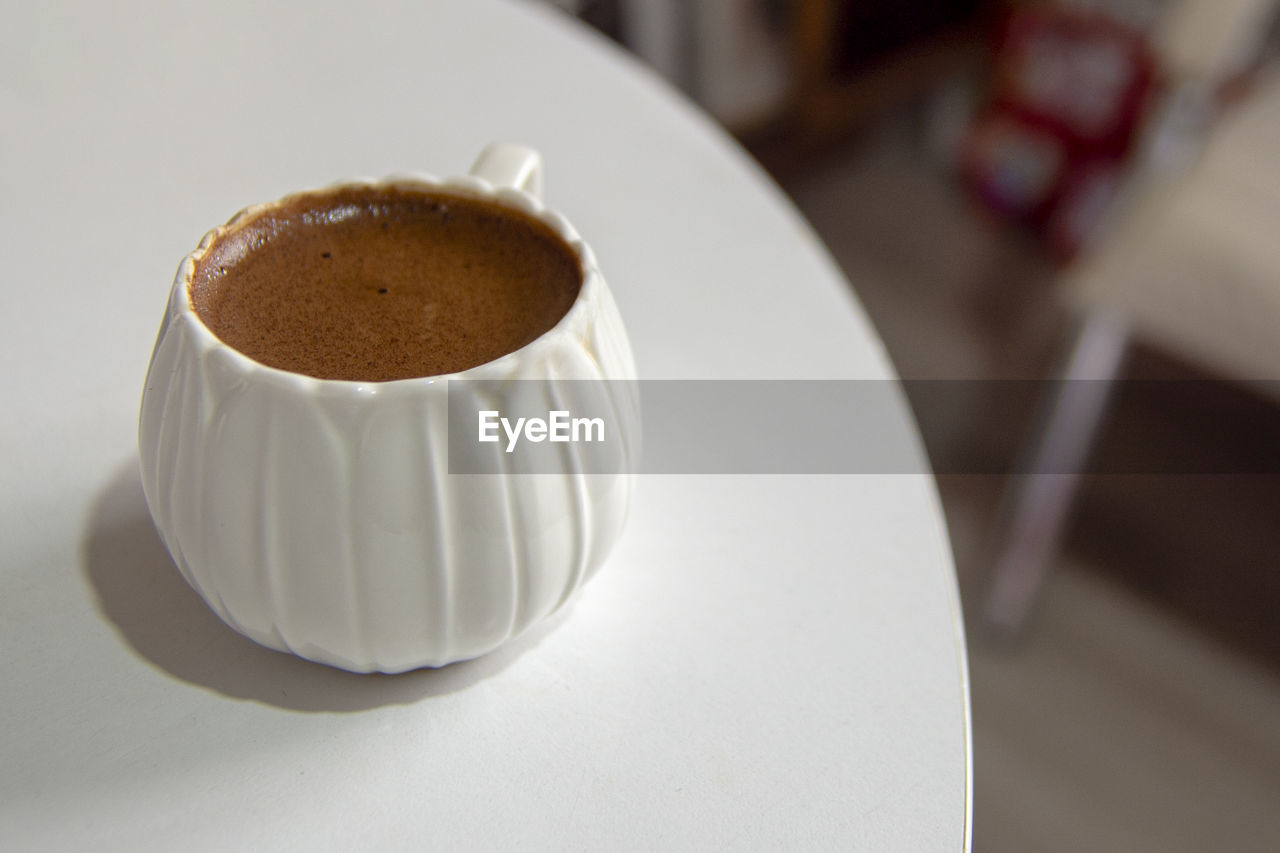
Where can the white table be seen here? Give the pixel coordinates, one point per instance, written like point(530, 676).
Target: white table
point(764, 662)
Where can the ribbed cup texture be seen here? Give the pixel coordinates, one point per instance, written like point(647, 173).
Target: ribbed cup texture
point(320, 517)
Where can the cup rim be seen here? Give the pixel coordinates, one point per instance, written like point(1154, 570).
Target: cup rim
point(180, 306)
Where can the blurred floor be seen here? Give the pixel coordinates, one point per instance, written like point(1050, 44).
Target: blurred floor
point(1143, 710)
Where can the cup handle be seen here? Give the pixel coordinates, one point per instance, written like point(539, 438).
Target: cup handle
point(505, 165)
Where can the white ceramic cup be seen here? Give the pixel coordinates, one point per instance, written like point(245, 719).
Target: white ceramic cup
point(319, 517)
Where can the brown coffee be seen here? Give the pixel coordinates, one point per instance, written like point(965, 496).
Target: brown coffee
point(374, 284)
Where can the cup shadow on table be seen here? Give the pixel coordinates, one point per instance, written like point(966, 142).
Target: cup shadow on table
point(140, 591)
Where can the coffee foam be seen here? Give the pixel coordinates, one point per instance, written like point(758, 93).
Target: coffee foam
point(382, 283)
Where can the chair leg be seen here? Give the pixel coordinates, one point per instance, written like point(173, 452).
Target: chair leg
point(1037, 504)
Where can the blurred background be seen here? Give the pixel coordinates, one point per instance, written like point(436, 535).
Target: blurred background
point(1028, 192)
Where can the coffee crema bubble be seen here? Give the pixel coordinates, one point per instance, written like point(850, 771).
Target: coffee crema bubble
point(373, 284)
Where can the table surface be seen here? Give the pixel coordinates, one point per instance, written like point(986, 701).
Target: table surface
point(763, 662)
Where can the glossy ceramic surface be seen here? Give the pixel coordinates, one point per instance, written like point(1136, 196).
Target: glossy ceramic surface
point(319, 517)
